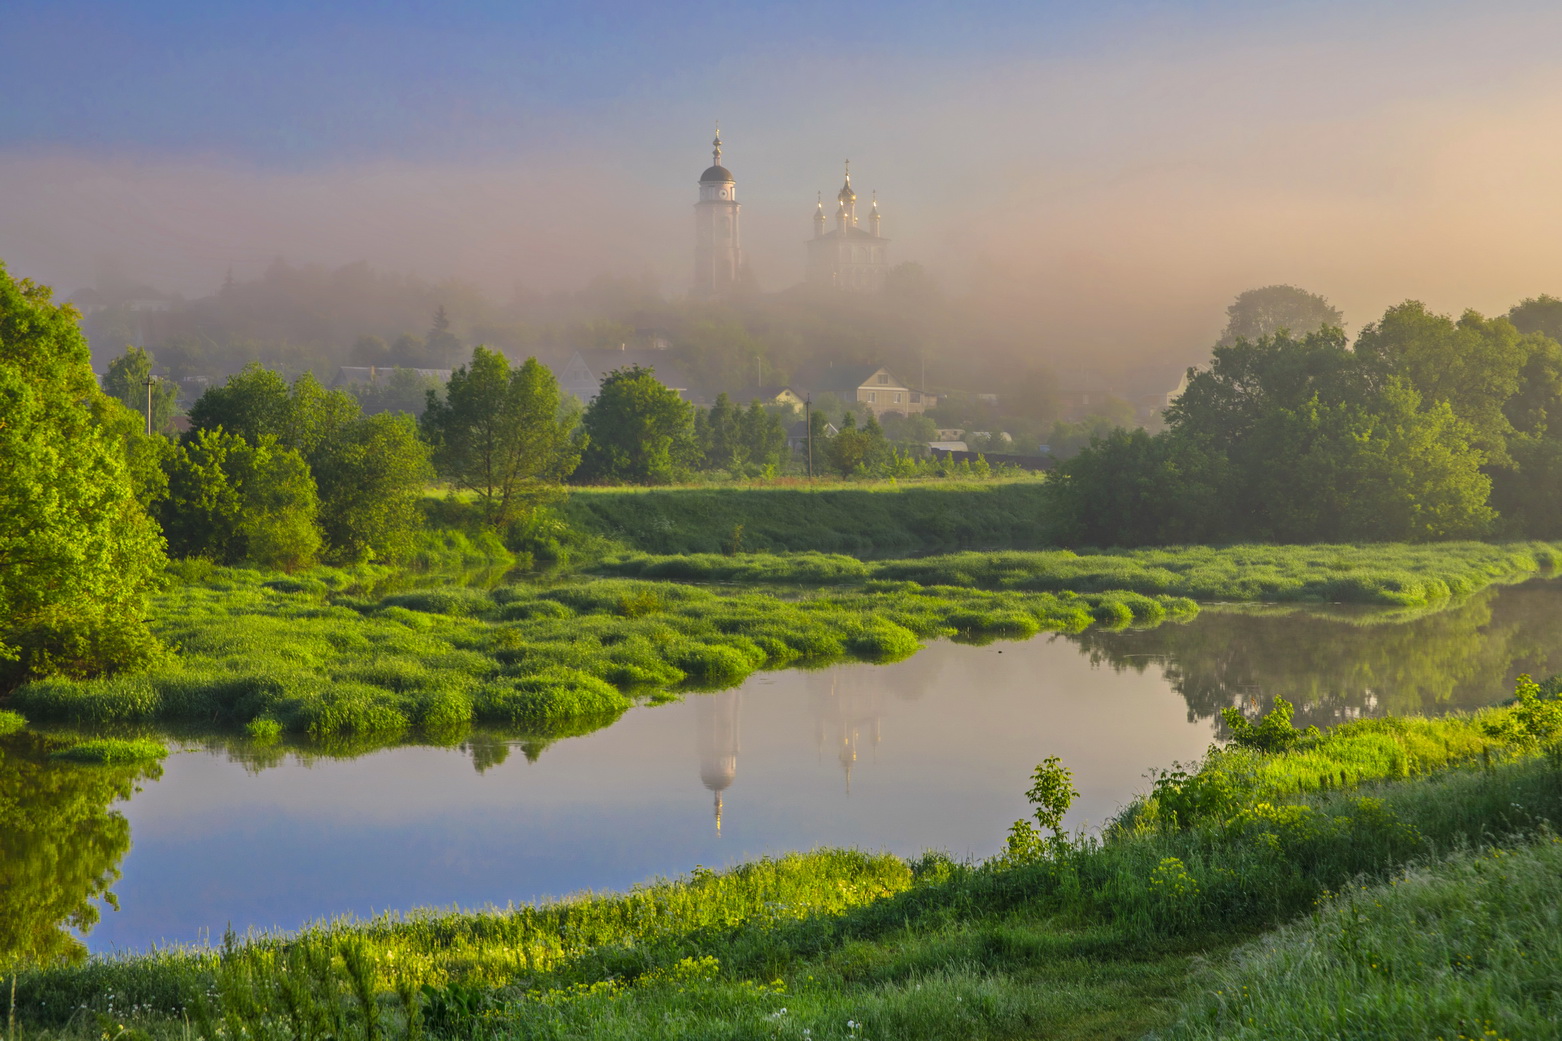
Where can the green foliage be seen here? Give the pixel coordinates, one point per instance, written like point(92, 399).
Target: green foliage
point(11, 722)
point(233, 501)
point(503, 435)
point(1273, 733)
point(126, 382)
point(1290, 440)
point(371, 479)
point(637, 430)
point(78, 555)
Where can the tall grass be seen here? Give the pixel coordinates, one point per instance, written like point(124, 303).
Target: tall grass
point(319, 654)
point(1390, 574)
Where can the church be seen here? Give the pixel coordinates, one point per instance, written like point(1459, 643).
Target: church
point(844, 258)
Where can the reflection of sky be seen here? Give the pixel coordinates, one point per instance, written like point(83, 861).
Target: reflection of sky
point(959, 730)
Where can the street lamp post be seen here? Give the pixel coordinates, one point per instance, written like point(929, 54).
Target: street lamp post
point(151, 381)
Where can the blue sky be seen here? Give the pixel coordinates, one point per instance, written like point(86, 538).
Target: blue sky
point(1133, 158)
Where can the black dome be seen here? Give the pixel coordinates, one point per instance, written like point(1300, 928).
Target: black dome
point(716, 173)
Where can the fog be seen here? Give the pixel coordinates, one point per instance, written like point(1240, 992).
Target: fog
point(1103, 192)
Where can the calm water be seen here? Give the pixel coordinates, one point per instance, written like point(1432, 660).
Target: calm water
point(932, 752)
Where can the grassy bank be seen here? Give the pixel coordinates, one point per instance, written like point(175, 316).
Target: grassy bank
point(880, 520)
point(1068, 937)
point(1391, 574)
point(312, 653)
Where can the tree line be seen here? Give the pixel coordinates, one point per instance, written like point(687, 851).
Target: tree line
point(1426, 427)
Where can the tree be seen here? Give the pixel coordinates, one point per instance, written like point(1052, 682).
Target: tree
point(78, 554)
point(502, 434)
point(1263, 312)
point(1538, 314)
point(234, 502)
point(371, 478)
point(638, 430)
point(1475, 364)
point(440, 343)
point(249, 404)
point(126, 381)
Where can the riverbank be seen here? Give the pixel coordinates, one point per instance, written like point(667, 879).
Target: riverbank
point(1065, 937)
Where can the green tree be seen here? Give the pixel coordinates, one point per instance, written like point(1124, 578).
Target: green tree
point(371, 478)
point(1538, 314)
point(1258, 313)
point(78, 554)
point(638, 430)
point(251, 403)
point(1475, 364)
point(502, 434)
point(232, 502)
point(126, 381)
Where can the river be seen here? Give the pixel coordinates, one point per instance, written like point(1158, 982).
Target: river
point(931, 752)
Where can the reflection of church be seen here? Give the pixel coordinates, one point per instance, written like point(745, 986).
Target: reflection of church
point(846, 715)
point(716, 730)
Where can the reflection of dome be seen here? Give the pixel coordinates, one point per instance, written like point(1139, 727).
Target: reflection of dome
point(717, 774)
point(716, 174)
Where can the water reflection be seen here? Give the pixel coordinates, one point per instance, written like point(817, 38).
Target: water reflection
point(716, 734)
point(1335, 665)
point(931, 752)
point(61, 843)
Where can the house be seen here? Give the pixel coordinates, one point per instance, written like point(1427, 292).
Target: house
point(871, 388)
point(583, 374)
point(797, 436)
point(769, 396)
point(349, 375)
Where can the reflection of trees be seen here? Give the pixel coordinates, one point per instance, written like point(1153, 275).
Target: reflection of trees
point(60, 847)
point(1337, 665)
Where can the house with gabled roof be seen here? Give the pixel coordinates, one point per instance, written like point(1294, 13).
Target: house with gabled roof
point(871, 388)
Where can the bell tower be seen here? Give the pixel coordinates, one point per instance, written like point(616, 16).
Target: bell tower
point(718, 254)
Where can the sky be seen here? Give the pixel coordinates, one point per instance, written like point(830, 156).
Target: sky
point(1106, 175)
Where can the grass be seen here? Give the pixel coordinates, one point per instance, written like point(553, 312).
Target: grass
point(1085, 937)
point(318, 653)
point(113, 751)
point(11, 722)
point(1465, 947)
point(878, 519)
point(1388, 574)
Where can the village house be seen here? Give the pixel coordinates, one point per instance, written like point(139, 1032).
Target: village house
point(871, 388)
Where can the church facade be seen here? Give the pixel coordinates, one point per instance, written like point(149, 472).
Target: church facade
point(718, 249)
point(847, 257)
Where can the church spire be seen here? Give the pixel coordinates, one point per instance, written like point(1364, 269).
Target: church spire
point(846, 213)
point(716, 146)
point(819, 216)
point(873, 215)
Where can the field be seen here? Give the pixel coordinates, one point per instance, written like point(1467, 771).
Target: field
point(1326, 859)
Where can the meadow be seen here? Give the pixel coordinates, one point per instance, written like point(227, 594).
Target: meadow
point(865, 519)
point(1318, 858)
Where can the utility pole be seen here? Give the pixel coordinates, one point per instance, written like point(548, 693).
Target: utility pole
point(808, 418)
point(151, 381)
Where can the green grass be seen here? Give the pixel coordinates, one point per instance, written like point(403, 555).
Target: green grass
point(11, 722)
point(113, 751)
point(1096, 937)
point(1465, 947)
point(318, 653)
point(880, 519)
point(1389, 574)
